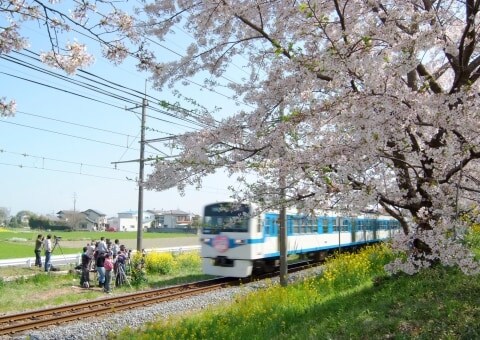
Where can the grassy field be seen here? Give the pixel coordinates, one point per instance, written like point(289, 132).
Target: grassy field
point(33, 289)
point(20, 243)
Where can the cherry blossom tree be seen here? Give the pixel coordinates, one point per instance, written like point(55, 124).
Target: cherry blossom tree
point(349, 104)
point(353, 104)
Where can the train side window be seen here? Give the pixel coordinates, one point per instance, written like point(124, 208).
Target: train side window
point(325, 225)
point(336, 225)
point(266, 228)
point(296, 223)
point(368, 225)
point(360, 225)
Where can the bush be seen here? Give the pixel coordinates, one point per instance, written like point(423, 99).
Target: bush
point(346, 270)
point(160, 263)
point(188, 260)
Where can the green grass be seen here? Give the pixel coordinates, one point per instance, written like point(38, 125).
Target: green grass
point(12, 250)
point(353, 299)
point(34, 289)
point(20, 243)
point(344, 303)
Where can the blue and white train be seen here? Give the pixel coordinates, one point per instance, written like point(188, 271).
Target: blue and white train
point(235, 244)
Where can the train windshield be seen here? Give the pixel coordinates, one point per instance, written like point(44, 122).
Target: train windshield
point(225, 217)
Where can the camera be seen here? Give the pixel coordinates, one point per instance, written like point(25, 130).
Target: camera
point(57, 238)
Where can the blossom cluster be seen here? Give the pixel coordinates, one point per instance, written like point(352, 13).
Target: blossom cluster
point(7, 108)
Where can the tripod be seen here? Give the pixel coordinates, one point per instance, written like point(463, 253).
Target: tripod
point(57, 244)
point(120, 276)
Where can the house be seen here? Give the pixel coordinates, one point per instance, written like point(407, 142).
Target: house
point(172, 219)
point(128, 221)
point(76, 220)
point(100, 220)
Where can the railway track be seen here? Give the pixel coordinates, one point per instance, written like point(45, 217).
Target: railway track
point(17, 323)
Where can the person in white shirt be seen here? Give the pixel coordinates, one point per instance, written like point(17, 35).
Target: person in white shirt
point(115, 248)
point(47, 245)
point(102, 245)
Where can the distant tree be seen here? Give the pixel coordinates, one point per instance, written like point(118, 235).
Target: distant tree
point(4, 215)
point(39, 222)
point(13, 223)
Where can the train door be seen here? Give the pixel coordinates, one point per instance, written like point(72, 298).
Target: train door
point(353, 228)
point(375, 226)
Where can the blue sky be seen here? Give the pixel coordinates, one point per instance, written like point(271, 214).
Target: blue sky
point(57, 152)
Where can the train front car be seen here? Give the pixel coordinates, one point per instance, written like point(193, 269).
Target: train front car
point(230, 239)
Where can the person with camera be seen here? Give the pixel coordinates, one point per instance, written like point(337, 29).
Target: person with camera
point(47, 246)
point(85, 277)
point(38, 250)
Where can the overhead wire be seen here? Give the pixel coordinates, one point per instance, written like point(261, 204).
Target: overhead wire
point(74, 124)
point(136, 94)
point(65, 171)
point(98, 90)
point(43, 158)
point(68, 135)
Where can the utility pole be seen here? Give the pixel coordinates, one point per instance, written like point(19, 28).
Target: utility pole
point(282, 219)
point(140, 179)
point(141, 173)
point(283, 233)
point(74, 210)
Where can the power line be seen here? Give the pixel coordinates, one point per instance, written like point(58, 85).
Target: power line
point(75, 124)
point(97, 89)
point(64, 161)
point(61, 90)
point(68, 135)
point(64, 171)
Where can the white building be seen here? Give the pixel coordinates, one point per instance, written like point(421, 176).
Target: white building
point(171, 219)
point(128, 221)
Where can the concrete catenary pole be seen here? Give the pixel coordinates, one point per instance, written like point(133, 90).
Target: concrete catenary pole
point(140, 179)
point(282, 220)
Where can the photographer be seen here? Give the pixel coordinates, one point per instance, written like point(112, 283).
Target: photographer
point(38, 249)
point(47, 245)
point(85, 278)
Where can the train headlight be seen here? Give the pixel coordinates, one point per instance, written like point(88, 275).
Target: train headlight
point(240, 242)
